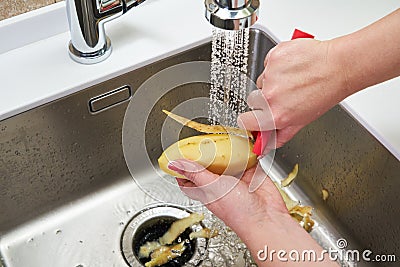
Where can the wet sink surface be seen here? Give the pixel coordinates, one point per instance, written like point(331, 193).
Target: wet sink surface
point(67, 194)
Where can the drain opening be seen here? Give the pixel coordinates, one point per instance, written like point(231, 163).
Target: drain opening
point(152, 230)
point(150, 224)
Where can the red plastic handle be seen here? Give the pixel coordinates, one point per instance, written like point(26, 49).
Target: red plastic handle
point(261, 141)
point(300, 34)
point(262, 138)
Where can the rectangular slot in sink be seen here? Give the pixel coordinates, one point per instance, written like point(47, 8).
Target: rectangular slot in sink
point(110, 99)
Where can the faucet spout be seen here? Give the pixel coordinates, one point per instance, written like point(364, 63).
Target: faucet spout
point(232, 14)
point(89, 43)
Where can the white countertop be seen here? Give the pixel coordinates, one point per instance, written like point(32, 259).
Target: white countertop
point(35, 67)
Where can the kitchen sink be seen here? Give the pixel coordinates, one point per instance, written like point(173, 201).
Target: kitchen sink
point(76, 187)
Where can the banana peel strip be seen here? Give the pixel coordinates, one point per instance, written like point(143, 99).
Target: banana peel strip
point(205, 128)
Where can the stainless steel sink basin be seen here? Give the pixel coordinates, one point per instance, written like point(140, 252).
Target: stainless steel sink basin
point(67, 195)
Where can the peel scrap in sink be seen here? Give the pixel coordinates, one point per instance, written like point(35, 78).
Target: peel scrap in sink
point(179, 226)
point(204, 233)
point(291, 176)
point(164, 249)
point(225, 150)
point(299, 212)
point(164, 254)
point(325, 194)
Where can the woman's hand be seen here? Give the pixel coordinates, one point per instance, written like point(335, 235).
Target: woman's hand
point(259, 218)
point(228, 197)
point(304, 78)
point(301, 81)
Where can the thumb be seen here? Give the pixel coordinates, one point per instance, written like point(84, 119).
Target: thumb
point(256, 120)
point(193, 171)
point(201, 181)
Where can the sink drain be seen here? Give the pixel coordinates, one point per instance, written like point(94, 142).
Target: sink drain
point(149, 225)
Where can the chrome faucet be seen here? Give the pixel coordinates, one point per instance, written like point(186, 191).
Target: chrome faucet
point(232, 14)
point(89, 43)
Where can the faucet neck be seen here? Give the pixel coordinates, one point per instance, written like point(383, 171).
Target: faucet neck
point(89, 43)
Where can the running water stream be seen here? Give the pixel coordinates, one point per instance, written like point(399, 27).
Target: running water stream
point(229, 56)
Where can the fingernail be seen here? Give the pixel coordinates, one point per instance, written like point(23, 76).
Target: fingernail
point(176, 167)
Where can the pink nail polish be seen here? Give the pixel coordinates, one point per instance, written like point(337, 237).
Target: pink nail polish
point(189, 166)
point(176, 167)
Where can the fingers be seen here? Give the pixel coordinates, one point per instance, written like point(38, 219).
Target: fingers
point(259, 183)
point(248, 175)
point(256, 100)
point(198, 178)
point(202, 184)
point(184, 182)
point(255, 178)
point(190, 189)
point(193, 171)
point(268, 56)
point(260, 78)
point(258, 179)
point(260, 81)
